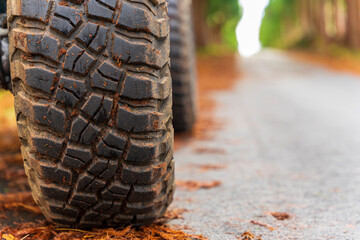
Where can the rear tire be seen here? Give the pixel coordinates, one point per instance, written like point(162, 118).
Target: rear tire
point(93, 101)
point(183, 64)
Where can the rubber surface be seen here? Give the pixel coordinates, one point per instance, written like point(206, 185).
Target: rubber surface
point(93, 101)
point(183, 64)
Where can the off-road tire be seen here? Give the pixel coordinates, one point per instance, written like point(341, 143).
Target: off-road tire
point(183, 64)
point(93, 100)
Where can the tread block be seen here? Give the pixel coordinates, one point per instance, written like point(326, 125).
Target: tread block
point(84, 63)
point(110, 171)
point(87, 33)
point(36, 77)
point(148, 218)
point(98, 166)
point(95, 185)
point(144, 153)
point(94, 36)
point(139, 121)
point(63, 209)
point(70, 91)
point(92, 216)
point(111, 145)
point(107, 77)
point(115, 191)
point(53, 191)
point(76, 156)
point(89, 183)
point(115, 207)
point(145, 193)
point(33, 9)
point(98, 108)
point(72, 55)
point(55, 172)
point(123, 219)
point(142, 174)
point(141, 208)
point(92, 104)
point(61, 25)
point(114, 140)
point(110, 71)
point(104, 169)
point(90, 133)
point(84, 180)
point(144, 88)
point(138, 52)
point(77, 127)
point(41, 113)
point(104, 150)
point(109, 3)
point(73, 15)
point(47, 144)
point(83, 200)
point(96, 10)
point(98, 81)
point(137, 19)
point(100, 40)
point(156, 2)
point(34, 43)
point(103, 206)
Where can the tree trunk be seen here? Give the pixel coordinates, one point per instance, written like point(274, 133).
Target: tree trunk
point(200, 26)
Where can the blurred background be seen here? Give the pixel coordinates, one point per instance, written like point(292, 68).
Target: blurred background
point(327, 26)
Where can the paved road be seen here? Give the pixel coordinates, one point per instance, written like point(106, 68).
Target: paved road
point(290, 143)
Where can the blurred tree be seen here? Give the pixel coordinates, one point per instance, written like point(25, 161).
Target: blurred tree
point(305, 23)
point(278, 23)
point(216, 22)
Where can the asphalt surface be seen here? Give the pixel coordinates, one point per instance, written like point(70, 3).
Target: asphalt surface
point(289, 142)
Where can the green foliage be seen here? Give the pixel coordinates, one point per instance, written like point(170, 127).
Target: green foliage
point(225, 15)
point(279, 16)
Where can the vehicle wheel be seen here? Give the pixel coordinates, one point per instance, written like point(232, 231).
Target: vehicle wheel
point(183, 64)
point(93, 100)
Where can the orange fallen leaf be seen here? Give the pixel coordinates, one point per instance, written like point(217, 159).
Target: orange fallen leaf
point(195, 185)
point(262, 225)
point(280, 216)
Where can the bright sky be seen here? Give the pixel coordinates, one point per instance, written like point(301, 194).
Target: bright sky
point(248, 29)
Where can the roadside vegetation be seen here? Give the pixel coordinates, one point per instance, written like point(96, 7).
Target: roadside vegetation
point(215, 22)
point(325, 26)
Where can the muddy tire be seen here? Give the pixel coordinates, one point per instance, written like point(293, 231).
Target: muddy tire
point(183, 64)
point(93, 100)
